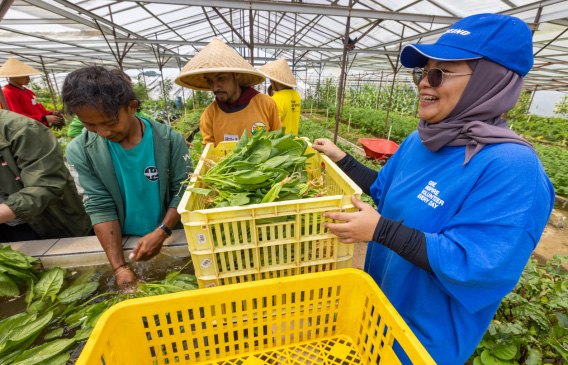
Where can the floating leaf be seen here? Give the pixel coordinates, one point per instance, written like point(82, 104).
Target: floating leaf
point(83, 334)
point(39, 354)
point(77, 292)
point(7, 287)
point(17, 331)
point(14, 258)
point(84, 277)
point(37, 307)
point(58, 360)
point(50, 283)
point(58, 332)
point(20, 276)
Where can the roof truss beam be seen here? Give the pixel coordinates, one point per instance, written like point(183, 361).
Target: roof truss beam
point(304, 8)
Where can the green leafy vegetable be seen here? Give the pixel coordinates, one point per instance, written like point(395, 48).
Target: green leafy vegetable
point(50, 283)
point(7, 286)
point(77, 292)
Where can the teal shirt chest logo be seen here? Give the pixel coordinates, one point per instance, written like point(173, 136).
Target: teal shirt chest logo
point(151, 173)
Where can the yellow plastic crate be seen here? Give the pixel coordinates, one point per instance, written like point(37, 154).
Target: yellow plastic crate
point(237, 244)
point(335, 317)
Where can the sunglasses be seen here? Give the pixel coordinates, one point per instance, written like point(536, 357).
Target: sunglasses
point(435, 75)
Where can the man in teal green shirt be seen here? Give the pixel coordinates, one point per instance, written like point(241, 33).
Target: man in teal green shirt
point(131, 169)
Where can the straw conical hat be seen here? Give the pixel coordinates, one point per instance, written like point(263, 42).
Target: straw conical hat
point(280, 72)
point(15, 68)
point(217, 57)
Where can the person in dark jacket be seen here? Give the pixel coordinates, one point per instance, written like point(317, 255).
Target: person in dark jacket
point(38, 197)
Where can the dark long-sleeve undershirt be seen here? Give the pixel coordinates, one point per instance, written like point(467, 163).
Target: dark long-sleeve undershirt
point(408, 243)
point(361, 175)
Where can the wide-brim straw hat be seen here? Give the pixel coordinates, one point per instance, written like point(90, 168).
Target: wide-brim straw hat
point(280, 72)
point(217, 57)
point(15, 68)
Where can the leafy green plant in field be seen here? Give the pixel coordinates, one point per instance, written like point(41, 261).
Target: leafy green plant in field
point(555, 162)
point(187, 123)
point(373, 122)
point(140, 89)
point(157, 110)
point(39, 87)
point(561, 107)
point(552, 129)
point(365, 96)
point(531, 324)
point(521, 107)
point(202, 99)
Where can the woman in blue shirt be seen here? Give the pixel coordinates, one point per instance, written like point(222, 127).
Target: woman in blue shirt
point(463, 202)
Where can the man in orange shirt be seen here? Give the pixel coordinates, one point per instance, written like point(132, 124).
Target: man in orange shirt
point(22, 100)
point(237, 106)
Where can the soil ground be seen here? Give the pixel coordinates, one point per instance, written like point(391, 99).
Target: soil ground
point(553, 241)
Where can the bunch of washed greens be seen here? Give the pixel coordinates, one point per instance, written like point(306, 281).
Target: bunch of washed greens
point(265, 168)
point(61, 315)
point(16, 269)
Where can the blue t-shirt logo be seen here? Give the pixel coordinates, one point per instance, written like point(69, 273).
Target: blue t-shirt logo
point(151, 173)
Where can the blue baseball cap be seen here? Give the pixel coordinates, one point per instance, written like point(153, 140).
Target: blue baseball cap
point(502, 39)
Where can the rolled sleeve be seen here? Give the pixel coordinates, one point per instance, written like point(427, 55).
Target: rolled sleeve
point(40, 160)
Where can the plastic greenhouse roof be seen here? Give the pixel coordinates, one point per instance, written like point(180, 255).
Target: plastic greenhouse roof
point(168, 33)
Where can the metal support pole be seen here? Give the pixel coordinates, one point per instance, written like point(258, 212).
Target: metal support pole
point(294, 50)
point(145, 86)
point(342, 75)
point(251, 38)
point(537, 19)
point(193, 97)
point(390, 102)
point(357, 90)
point(395, 69)
point(532, 97)
point(344, 87)
point(48, 83)
point(319, 84)
point(4, 6)
point(165, 97)
point(379, 94)
point(55, 82)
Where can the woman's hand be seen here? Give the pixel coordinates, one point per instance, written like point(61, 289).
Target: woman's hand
point(358, 226)
point(329, 148)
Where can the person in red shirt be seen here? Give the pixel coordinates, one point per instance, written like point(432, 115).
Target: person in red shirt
point(22, 100)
